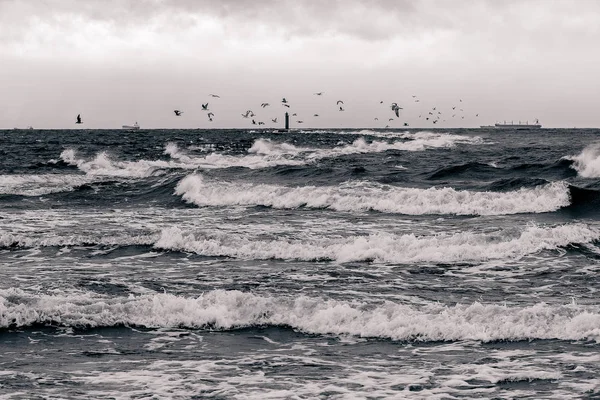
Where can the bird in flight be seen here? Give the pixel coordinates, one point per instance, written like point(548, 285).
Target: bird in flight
point(214, 95)
point(318, 93)
point(396, 109)
point(341, 109)
point(274, 120)
point(406, 124)
point(210, 115)
point(263, 105)
point(205, 107)
point(284, 100)
point(287, 105)
point(340, 102)
point(78, 119)
point(177, 112)
point(315, 115)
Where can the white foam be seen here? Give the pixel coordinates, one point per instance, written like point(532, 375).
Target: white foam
point(587, 163)
point(45, 240)
point(233, 309)
point(362, 196)
point(40, 184)
point(386, 248)
point(263, 154)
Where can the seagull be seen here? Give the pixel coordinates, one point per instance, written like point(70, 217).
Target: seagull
point(406, 124)
point(274, 120)
point(316, 115)
point(210, 115)
point(287, 105)
point(341, 109)
point(248, 113)
point(318, 93)
point(253, 122)
point(263, 105)
point(391, 119)
point(284, 100)
point(376, 119)
point(205, 107)
point(339, 101)
point(477, 115)
point(300, 122)
point(396, 109)
point(261, 123)
point(294, 115)
point(214, 95)
point(416, 101)
point(78, 119)
point(177, 112)
point(435, 121)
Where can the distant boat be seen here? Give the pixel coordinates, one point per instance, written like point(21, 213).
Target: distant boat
point(134, 127)
point(511, 125)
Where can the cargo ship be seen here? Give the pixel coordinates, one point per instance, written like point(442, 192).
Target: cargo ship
point(511, 125)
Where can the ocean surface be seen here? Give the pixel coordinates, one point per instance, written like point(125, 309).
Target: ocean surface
point(317, 264)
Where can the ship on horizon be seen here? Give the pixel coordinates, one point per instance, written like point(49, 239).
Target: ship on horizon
point(512, 125)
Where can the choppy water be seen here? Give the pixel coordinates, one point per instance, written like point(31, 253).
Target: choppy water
point(312, 264)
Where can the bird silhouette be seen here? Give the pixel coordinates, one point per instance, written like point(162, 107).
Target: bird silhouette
point(214, 95)
point(205, 107)
point(339, 102)
point(274, 120)
point(177, 112)
point(318, 93)
point(263, 105)
point(79, 119)
point(210, 115)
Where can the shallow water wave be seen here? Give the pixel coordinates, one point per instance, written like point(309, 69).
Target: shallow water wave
point(382, 247)
point(40, 184)
point(363, 196)
point(226, 310)
point(587, 163)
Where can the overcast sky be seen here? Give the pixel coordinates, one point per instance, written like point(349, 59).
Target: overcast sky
point(121, 61)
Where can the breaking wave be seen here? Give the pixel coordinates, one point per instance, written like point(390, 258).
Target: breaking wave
point(376, 247)
point(587, 163)
point(362, 196)
point(227, 310)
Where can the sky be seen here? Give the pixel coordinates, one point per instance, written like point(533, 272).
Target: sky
point(116, 62)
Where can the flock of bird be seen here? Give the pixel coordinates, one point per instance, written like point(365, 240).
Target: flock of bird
point(431, 115)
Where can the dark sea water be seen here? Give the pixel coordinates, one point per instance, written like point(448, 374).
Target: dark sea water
point(330, 264)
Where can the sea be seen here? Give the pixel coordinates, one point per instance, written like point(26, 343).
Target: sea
point(309, 264)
